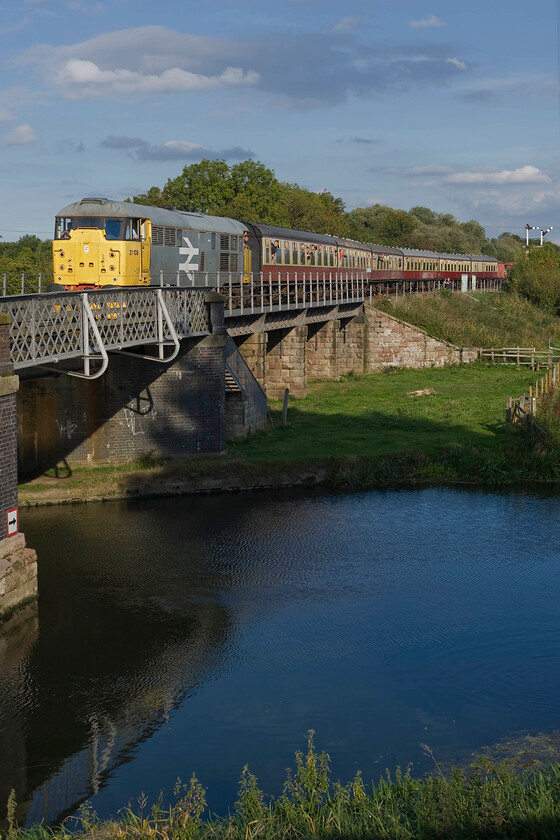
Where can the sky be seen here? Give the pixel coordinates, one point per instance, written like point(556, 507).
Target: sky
point(447, 104)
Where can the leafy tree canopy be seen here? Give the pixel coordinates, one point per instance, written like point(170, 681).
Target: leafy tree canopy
point(248, 190)
point(29, 255)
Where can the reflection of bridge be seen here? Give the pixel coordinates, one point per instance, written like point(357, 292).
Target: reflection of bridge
point(60, 751)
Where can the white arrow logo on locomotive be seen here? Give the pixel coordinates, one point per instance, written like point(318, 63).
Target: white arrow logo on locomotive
point(189, 252)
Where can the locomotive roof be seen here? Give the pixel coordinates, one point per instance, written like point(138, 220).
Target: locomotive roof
point(157, 215)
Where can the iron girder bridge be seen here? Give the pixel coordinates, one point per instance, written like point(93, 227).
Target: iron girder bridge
point(59, 327)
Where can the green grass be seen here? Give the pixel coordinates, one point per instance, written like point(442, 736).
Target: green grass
point(488, 803)
point(380, 414)
point(478, 320)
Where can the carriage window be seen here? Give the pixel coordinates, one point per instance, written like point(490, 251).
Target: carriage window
point(179, 237)
point(295, 258)
point(286, 256)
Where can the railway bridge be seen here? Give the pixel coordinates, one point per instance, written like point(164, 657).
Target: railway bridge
point(111, 375)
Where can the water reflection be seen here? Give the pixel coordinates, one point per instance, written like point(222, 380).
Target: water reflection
point(201, 634)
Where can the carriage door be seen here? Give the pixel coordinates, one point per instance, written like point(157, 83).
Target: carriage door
point(146, 241)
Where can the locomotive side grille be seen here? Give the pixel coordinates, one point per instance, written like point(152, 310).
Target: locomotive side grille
point(233, 262)
point(157, 236)
point(202, 261)
point(233, 244)
point(224, 262)
point(224, 241)
point(170, 236)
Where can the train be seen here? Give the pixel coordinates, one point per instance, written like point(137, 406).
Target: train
point(101, 243)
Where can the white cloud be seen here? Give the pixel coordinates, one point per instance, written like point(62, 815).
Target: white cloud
point(427, 23)
point(20, 136)
point(460, 65)
point(523, 175)
point(79, 77)
point(150, 60)
point(6, 115)
point(419, 171)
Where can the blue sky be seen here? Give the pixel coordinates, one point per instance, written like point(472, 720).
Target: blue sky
point(453, 105)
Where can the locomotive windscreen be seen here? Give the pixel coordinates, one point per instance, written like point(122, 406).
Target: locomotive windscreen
point(114, 227)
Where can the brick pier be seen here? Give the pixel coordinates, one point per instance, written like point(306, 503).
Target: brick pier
point(18, 564)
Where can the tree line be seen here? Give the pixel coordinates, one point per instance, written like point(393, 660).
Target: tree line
point(29, 255)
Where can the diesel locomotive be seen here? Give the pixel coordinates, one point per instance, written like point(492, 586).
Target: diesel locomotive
point(99, 243)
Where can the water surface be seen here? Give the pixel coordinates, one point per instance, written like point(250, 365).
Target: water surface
point(201, 634)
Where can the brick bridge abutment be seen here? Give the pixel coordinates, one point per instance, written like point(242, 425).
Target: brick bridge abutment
point(367, 343)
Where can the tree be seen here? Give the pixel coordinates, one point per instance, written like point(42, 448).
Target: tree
point(381, 225)
point(250, 191)
point(204, 187)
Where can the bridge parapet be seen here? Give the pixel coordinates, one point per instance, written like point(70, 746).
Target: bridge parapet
point(47, 329)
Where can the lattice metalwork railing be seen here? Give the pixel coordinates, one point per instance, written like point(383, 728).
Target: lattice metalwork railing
point(52, 328)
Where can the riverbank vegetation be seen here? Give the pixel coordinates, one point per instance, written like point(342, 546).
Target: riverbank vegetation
point(482, 319)
point(486, 803)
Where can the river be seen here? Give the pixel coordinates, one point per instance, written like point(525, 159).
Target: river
point(205, 633)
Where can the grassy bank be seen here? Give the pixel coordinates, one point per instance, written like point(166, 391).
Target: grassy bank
point(436, 424)
point(478, 320)
point(488, 802)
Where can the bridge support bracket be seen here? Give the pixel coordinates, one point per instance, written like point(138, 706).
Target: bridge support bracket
point(162, 315)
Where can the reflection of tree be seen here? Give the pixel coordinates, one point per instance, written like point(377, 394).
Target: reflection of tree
point(126, 634)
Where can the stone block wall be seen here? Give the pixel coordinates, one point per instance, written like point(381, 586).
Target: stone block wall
point(137, 408)
point(18, 573)
point(286, 363)
point(253, 349)
point(394, 343)
point(241, 416)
